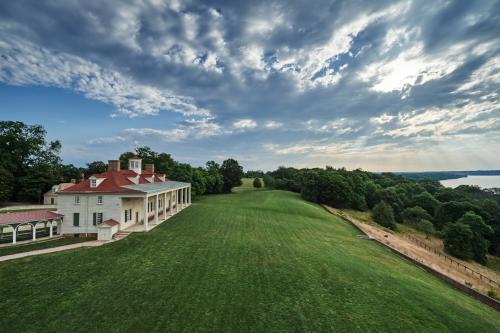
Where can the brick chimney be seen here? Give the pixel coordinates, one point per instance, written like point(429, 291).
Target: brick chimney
point(113, 165)
point(82, 177)
point(150, 168)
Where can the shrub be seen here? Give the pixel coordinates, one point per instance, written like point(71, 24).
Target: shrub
point(426, 227)
point(257, 183)
point(384, 215)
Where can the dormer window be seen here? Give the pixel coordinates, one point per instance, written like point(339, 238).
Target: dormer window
point(93, 183)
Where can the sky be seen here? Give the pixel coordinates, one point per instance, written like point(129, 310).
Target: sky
point(378, 85)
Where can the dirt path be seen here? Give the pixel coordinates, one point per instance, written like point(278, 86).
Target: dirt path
point(52, 250)
point(426, 257)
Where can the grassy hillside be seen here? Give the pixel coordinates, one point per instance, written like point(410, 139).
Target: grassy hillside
point(247, 185)
point(251, 261)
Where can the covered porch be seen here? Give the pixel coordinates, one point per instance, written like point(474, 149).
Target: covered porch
point(160, 202)
point(29, 226)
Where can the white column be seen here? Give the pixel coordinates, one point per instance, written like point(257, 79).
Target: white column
point(33, 227)
point(146, 213)
point(177, 201)
point(164, 205)
point(14, 234)
point(183, 197)
point(50, 228)
point(156, 209)
point(189, 195)
point(171, 204)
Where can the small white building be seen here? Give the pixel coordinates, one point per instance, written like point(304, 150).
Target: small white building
point(120, 200)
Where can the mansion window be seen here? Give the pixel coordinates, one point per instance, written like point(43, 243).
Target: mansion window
point(97, 218)
point(76, 219)
point(93, 183)
point(99, 199)
point(77, 199)
point(128, 214)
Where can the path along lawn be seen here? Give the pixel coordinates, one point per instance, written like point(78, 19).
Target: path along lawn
point(40, 245)
point(252, 261)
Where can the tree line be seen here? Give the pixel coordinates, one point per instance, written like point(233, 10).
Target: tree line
point(30, 166)
point(466, 217)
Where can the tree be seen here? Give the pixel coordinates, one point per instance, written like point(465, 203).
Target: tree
point(391, 196)
point(426, 227)
point(25, 152)
point(480, 231)
point(232, 173)
point(426, 201)
point(268, 181)
point(384, 215)
point(413, 215)
point(214, 179)
point(6, 184)
point(450, 212)
point(458, 240)
point(95, 167)
point(257, 183)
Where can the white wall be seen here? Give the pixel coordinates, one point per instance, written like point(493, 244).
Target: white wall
point(111, 209)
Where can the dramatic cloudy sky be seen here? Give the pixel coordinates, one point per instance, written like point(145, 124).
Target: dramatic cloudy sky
point(381, 85)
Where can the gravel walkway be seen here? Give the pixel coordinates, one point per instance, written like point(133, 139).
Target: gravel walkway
point(52, 249)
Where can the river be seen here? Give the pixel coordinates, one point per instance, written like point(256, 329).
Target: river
point(481, 181)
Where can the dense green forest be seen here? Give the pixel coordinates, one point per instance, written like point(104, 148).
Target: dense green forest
point(30, 166)
point(467, 217)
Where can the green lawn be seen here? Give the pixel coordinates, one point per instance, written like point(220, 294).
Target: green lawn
point(247, 185)
point(41, 245)
point(252, 261)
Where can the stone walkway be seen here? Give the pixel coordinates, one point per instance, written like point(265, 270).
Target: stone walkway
point(52, 250)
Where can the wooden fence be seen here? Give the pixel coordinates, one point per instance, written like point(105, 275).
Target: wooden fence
point(453, 261)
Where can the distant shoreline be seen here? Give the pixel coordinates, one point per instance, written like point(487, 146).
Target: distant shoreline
point(444, 175)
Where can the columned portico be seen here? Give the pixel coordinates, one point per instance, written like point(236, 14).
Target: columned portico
point(155, 199)
point(23, 222)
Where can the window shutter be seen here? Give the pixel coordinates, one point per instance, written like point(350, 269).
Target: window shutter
point(95, 219)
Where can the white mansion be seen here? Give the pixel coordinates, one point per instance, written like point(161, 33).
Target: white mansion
point(120, 200)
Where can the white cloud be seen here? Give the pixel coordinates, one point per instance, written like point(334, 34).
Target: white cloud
point(440, 124)
point(412, 67)
point(271, 124)
point(304, 65)
point(337, 126)
point(489, 73)
point(26, 64)
point(382, 119)
point(245, 124)
point(190, 129)
point(107, 140)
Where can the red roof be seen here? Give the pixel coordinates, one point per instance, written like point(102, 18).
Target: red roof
point(113, 182)
point(111, 222)
point(23, 217)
